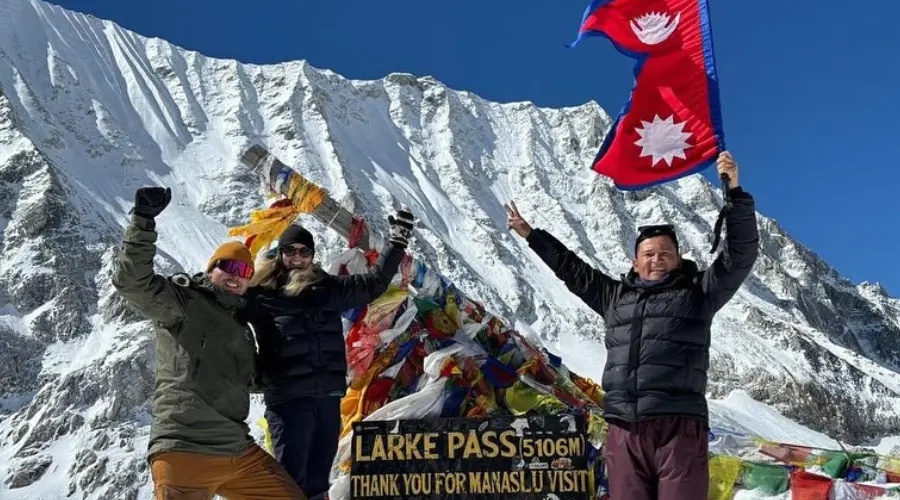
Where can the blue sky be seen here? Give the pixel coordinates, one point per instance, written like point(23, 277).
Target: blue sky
point(810, 90)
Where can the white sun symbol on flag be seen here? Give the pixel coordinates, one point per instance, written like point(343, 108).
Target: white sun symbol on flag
point(663, 140)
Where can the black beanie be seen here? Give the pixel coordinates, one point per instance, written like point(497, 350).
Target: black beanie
point(297, 234)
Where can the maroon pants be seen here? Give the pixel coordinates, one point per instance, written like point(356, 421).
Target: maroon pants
point(660, 459)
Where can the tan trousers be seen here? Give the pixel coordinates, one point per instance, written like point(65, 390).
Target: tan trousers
point(255, 475)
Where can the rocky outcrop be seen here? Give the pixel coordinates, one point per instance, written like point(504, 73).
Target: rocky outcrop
point(89, 112)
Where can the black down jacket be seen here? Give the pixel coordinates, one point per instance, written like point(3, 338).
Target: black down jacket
point(658, 337)
point(301, 338)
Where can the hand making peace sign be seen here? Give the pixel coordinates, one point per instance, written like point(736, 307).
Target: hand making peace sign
point(515, 221)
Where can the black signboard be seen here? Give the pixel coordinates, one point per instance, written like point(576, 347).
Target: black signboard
point(534, 457)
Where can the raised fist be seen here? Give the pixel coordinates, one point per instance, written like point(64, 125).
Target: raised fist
point(401, 227)
point(729, 168)
point(151, 201)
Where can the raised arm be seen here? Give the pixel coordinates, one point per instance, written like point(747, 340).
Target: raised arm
point(356, 290)
point(593, 287)
point(728, 272)
point(133, 274)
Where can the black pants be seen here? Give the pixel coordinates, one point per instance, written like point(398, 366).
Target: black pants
point(305, 434)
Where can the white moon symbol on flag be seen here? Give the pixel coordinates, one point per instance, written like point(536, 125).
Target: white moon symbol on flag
point(654, 27)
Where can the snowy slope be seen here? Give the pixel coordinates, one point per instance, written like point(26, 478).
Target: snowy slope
point(89, 112)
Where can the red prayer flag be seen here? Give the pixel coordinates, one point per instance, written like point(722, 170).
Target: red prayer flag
point(808, 486)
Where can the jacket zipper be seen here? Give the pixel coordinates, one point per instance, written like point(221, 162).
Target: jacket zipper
point(196, 368)
point(634, 352)
point(636, 341)
point(320, 363)
point(637, 332)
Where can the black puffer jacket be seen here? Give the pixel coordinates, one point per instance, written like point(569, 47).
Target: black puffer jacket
point(657, 337)
point(301, 338)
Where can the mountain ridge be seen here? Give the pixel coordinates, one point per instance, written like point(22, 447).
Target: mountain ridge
point(90, 111)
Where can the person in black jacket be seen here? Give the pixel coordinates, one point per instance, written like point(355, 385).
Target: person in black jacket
point(658, 320)
point(296, 315)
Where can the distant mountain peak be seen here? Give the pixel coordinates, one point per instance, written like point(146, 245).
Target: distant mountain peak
point(90, 111)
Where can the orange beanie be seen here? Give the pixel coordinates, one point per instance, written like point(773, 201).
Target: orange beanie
point(230, 250)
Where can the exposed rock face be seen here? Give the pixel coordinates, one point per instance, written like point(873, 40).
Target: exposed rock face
point(90, 112)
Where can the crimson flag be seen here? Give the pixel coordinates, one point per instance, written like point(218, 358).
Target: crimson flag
point(671, 125)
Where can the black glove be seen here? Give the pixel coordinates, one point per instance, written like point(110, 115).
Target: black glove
point(401, 227)
point(151, 201)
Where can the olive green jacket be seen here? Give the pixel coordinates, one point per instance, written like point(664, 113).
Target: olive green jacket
point(205, 354)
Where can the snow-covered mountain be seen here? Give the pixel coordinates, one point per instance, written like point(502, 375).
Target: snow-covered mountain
point(89, 112)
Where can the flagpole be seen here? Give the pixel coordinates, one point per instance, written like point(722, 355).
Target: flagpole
point(726, 196)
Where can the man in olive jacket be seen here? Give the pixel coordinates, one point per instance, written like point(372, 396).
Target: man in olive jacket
point(200, 444)
point(658, 320)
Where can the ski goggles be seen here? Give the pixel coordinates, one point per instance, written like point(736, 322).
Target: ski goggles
point(236, 268)
point(290, 251)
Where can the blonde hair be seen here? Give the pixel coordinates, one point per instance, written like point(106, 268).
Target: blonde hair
point(269, 268)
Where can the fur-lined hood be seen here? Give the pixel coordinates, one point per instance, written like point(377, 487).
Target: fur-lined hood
point(270, 273)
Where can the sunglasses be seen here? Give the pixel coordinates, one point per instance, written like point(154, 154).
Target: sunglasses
point(290, 251)
point(656, 230)
point(236, 268)
point(647, 232)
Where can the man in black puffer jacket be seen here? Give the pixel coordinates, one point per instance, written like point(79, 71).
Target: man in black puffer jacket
point(658, 320)
point(296, 314)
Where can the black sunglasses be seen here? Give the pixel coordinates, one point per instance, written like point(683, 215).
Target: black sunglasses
point(656, 230)
point(651, 231)
point(290, 251)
